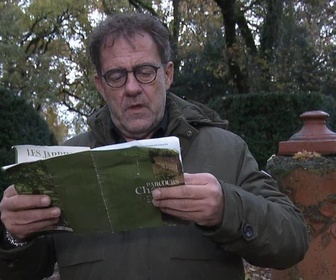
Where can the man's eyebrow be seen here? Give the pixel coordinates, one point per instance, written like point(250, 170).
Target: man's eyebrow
point(135, 66)
point(116, 69)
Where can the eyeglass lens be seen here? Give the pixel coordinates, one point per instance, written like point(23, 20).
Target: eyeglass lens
point(144, 74)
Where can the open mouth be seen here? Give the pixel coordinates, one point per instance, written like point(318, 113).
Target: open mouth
point(135, 107)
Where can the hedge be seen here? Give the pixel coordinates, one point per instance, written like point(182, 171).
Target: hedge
point(20, 124)
point(263, 120)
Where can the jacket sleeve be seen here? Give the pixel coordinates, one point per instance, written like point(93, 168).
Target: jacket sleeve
point(33, 261)
point(260, 223)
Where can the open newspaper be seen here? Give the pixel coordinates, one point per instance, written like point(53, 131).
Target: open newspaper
point(106, 189)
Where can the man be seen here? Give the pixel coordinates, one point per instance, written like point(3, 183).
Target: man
point(234, 210)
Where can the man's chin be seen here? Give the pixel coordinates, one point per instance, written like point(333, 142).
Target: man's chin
point(138, 131)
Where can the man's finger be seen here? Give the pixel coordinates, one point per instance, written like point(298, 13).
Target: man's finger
point(36, 215)
point(23, 231)
point(178, 192)
point(22, 202)
point(10, 191)
point(197, 179)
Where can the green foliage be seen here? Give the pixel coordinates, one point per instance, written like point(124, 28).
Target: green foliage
point(43, 54)
point(262, 46)
point(203, 73)
point(263, 120)
point(20, 124)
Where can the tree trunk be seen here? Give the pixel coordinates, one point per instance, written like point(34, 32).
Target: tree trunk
point(176, 33)
point(239, 76)
point(269, 37)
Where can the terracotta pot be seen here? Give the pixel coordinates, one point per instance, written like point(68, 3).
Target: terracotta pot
point(311, 185)
point(305, 169)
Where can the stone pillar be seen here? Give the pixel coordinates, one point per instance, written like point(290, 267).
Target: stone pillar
point(305, 169)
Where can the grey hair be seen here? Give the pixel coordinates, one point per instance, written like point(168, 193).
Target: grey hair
point(126, 26)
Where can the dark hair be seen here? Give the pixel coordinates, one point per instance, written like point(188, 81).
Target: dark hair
point(127, 25)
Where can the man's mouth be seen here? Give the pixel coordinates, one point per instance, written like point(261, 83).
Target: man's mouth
point(136, 107)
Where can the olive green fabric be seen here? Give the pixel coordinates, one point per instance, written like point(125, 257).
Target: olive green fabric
point(259, 224)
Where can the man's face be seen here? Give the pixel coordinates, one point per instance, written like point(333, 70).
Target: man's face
point(136, 108)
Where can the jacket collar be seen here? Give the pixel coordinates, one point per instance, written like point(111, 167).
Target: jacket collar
point(184, 120)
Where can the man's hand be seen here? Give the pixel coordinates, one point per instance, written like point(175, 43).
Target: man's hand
point(23, 215)
point(199, 200)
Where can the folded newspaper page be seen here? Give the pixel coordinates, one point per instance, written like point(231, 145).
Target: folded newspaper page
point(106, 189)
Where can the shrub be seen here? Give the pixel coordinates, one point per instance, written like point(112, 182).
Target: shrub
point(20, 124)
point(263, 120)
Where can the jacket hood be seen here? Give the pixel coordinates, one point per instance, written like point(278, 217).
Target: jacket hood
point(197, 113)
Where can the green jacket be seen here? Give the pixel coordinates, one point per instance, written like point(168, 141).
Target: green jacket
point(259, 224)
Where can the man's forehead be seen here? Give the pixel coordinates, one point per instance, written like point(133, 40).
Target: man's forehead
point(128, 51)
point(131, 39)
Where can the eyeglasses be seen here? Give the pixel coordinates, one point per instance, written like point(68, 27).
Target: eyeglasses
point(145, 74)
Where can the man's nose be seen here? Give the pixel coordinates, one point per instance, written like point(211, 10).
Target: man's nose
point(132, 85)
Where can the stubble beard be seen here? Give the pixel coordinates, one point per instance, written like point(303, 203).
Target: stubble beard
point(139, 126)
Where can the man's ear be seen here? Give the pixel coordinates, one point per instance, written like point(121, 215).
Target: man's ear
point(169, 74)
point(98, 80)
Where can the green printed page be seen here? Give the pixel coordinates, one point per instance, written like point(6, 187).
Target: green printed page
point(78, 190)
point(34, 178)
point(128, 176)
point(103, 190)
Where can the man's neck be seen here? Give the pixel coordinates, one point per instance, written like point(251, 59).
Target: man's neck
point(129, 139)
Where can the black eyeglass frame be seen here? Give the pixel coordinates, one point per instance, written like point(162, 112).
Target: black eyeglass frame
point(134, 71)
